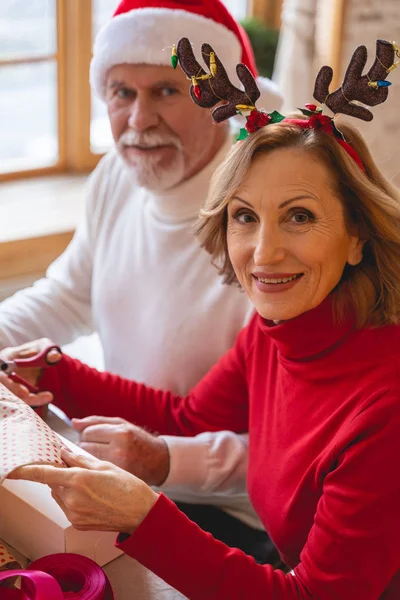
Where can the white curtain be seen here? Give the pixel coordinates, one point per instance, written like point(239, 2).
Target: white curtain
point(294, 63)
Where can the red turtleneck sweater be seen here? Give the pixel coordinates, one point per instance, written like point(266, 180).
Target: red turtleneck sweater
point(321, 403)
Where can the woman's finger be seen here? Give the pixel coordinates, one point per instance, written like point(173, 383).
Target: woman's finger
point(19, 390)
point(47, 474)
point(40, 399)
point(22, 392)
point(78, 460)
point(54, 356)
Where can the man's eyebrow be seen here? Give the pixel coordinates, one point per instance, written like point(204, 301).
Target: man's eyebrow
point(165, 84)
point(116, 83)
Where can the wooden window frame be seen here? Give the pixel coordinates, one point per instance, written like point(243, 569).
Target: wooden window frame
point(73, 56)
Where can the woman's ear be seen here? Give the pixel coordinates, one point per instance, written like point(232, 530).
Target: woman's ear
point(356, 251)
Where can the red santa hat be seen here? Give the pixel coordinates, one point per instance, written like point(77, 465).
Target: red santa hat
point(143, 31)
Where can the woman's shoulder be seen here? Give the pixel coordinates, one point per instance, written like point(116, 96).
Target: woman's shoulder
point(379, 347)
point(373, 374)
point(385, 339)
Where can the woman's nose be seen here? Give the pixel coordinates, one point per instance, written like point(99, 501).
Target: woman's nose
point(142, 115)
point(269, 247)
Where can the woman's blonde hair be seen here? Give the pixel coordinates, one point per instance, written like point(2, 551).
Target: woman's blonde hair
point(371, 209)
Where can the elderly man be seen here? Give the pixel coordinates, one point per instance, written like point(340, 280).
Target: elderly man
point(134, 271)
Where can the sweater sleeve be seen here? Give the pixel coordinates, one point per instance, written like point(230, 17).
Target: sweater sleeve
point(351, 551)
point(218, 402)
point(221, 460)
point(59, 305)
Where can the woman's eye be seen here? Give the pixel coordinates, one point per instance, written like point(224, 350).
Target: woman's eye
point(244, 217)
point(301, 217)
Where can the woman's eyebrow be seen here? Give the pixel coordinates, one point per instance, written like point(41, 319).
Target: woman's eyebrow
point(283, 204)
point(295, 198)
point(241, 200)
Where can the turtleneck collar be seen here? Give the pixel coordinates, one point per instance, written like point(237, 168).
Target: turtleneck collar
point(184, 201)
point(309, 334)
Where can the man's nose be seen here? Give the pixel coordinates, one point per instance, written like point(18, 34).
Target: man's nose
point(142, 115)
point(269, 246)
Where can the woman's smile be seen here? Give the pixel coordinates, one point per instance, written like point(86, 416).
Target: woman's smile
point(272, 283)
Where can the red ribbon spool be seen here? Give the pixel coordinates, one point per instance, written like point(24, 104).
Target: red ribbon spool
point(60, 577)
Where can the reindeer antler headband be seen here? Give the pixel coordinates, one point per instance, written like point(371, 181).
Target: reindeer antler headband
point(208, 89)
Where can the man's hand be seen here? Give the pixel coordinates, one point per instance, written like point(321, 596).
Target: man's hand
point(125, 445)
point(94, 495)
point(31, 375)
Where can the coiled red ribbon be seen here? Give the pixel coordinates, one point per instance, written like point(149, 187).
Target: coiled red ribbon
point(60, 577)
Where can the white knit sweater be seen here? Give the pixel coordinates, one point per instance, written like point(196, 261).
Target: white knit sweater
point(135, 274)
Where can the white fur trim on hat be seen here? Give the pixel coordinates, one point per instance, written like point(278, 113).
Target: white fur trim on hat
point(146, 35)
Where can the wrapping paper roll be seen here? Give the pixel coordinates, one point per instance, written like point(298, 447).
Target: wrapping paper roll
point(24, 437)
point(60, 577)
point(7, 563)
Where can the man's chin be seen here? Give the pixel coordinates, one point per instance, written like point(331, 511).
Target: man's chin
point(155, 179)
point(156, 171)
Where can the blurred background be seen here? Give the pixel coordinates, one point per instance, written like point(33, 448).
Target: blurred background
point(53, 131)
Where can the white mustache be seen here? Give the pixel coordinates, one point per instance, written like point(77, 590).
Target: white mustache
point(148, 139)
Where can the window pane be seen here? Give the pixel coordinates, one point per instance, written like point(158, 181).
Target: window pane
point(27, 28)
point(102, 11)
point(28, 116)
point(100, 132)
point(238, 8)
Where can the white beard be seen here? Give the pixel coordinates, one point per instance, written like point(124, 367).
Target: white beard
point(147, 172)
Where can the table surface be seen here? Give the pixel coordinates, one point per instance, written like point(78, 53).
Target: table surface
point(128, 578)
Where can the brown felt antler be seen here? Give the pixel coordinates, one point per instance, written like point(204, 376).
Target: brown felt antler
point(216, 87)
point(357, 86)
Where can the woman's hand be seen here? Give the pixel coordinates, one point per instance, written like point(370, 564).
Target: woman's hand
point(31, 375)
point(94, 495)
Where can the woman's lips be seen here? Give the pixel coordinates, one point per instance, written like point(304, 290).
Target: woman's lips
point(276, 282)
